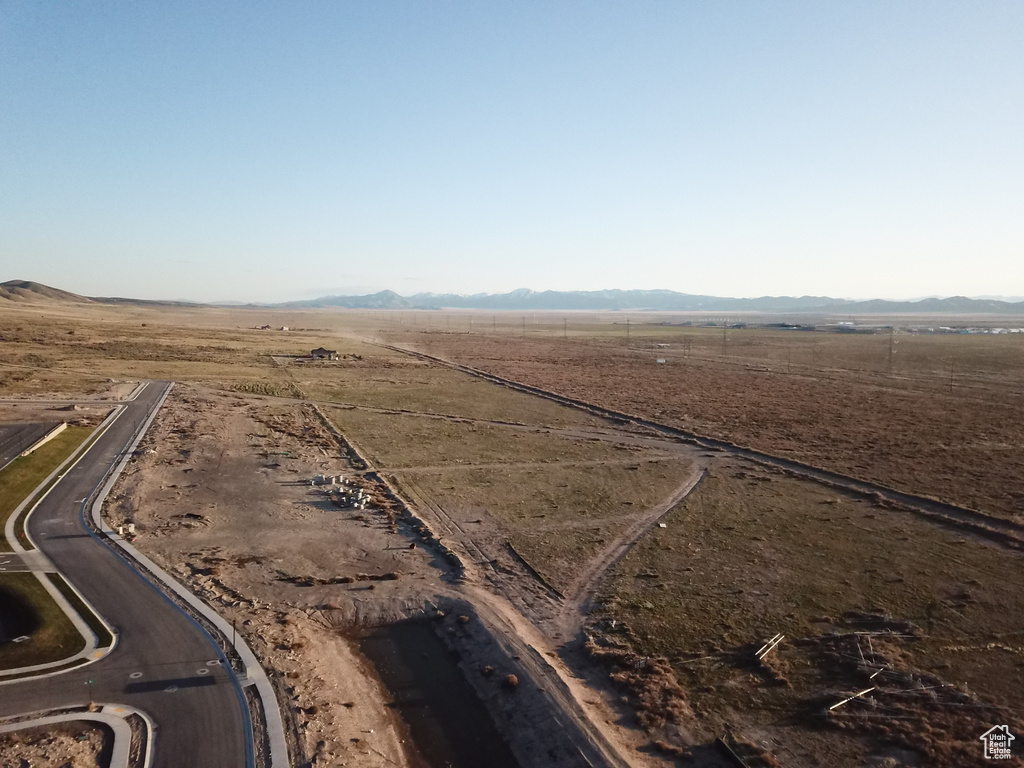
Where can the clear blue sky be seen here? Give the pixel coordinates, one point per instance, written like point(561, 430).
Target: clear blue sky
point(277, 150)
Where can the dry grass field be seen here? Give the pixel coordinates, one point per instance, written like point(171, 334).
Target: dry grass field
point(823, 398)
point(50, 349)
point(854, 588)
point(384, 379)
point(558, 517)
point(558, 494)
point(402, 440)
point(28, 610)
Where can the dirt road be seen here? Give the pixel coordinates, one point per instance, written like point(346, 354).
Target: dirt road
point(579, 598)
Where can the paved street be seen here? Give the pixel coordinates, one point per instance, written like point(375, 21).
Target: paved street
point(164, 664)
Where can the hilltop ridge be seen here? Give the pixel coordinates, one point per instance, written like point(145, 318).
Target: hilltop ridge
point(524, 299)
point(31, 292)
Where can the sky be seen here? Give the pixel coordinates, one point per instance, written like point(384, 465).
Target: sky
point(268, 151)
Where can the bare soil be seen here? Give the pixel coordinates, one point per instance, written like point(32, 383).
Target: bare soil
point(223, 500)
point(68, 745)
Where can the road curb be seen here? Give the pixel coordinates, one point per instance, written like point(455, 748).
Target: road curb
point(112, 715)
point(91, 652)
point(254, 672)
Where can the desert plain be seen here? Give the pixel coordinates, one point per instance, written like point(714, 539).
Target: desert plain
point(632, 540)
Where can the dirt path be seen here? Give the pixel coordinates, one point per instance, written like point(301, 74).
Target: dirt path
point(625, 433)
point(440, 468)
point(579, 598)
point(590, 720)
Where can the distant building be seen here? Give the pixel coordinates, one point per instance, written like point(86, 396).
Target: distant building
point(324, 354)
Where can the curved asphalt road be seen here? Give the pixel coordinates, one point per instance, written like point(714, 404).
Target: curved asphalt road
point(161, 662)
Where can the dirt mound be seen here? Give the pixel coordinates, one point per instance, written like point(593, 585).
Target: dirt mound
point(69, 745)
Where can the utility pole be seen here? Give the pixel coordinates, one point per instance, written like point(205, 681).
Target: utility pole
point(627, 331)
point(892, 343)
point(952, 366)
point(725, 338)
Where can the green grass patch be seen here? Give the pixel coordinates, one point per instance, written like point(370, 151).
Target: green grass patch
point(27, 608)
point(103, 636)
point(24, 474)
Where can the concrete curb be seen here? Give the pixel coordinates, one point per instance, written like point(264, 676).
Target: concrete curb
point(91, 652)
point(137, 391)
point(75, 458)
point(112, 715)
point(254, 673)
point(44, 439)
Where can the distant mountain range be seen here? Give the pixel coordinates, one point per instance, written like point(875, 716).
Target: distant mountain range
point(609, 300)
point(657, 300)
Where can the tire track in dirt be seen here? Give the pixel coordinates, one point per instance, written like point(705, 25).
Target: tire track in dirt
point(616, 435)
point(597, 743)
point(579, 598)
point(475, 554)
point(440, 468)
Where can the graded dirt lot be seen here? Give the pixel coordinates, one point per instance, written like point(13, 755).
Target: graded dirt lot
point(826, 399)
point(223, 499)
